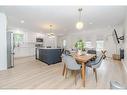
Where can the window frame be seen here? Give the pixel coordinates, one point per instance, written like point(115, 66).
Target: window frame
point(101, 46)
point(88, 44)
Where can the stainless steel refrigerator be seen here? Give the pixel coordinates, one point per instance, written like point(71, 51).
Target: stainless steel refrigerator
point(10, 50)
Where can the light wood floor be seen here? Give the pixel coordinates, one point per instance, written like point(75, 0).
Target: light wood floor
point(29, 73)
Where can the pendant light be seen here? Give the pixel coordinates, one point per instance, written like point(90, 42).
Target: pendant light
point(79, 24)
point(51, 34)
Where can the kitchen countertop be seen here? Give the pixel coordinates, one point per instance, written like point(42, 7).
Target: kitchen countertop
point(46, 48)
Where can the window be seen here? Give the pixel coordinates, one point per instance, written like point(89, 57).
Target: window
point(88, 44)
point(18, 38)
point(64, 43)
point(99, 45)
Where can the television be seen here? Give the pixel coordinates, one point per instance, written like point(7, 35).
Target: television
point(39, 39)
point(116, 38)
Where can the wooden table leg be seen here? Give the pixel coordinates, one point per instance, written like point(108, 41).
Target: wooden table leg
point(64, 70)
point(83, 73)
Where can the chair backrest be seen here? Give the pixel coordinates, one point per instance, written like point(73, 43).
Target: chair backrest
point(99, 58)
point(62, 50)
point(98, 61)
point(70, 62)
point(91, 51)
point(67, 52)
point(63, 57)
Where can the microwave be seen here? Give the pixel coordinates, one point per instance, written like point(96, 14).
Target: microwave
point(39, 39)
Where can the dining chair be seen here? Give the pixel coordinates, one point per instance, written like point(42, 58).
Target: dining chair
point(91, 51)
point(104, 53)
point(70, 64)
point(95, 64)
point(67, 52)
point(116, 85)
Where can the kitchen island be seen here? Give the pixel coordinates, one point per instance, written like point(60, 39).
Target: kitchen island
point(48, 55)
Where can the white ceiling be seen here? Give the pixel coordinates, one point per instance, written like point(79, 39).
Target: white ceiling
point(63, 18)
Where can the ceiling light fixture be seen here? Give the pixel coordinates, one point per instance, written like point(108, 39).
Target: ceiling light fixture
point(79, 24)
point(90, 23)
point(51, 34)
point(22, 21)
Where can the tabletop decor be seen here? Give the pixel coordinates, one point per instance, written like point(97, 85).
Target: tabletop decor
point(80, 46)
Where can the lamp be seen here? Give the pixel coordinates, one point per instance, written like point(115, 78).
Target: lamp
point(79, 24)
point(51, 34)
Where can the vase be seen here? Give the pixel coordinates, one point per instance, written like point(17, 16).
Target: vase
point(79, 52)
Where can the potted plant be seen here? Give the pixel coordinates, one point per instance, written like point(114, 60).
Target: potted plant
point(80, 46)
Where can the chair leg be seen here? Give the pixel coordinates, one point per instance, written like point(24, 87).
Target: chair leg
point(65, 73)
point(81, 73)
point(95, 71)
point(64, 70)
point(75, 74)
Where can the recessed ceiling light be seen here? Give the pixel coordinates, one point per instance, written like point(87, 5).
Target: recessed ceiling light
point(90, 23)
point(22, 21)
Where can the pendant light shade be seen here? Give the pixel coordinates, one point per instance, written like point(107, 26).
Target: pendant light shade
point(79, 24)
point(51, 34)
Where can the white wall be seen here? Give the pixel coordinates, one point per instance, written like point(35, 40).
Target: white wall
point(125, 43)
point(3, 42)
point(94, 35)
